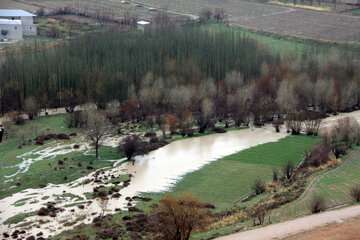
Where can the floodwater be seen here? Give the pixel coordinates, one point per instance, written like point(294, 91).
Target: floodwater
point(154, 172)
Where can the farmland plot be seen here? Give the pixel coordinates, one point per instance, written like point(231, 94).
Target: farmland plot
point(276, 19)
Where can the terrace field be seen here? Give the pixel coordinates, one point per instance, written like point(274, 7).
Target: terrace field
point(333, 185)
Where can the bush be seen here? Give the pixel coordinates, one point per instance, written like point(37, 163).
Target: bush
point(18, 119)
point(76, 119)
point(288, 170)
point(343, 135)
point(318, 155)
point(355, 193)
point(317, 204)
point(275, 175)
point(130, 145)
point(259, 186)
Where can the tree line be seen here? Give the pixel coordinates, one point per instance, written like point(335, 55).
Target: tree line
point(187, 74)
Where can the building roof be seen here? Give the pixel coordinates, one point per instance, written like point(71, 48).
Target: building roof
point(15, 13)
point(9, 22)
point(143, 22)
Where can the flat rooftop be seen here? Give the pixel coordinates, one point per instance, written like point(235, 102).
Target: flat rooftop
point(15, 13)
point(10, 22)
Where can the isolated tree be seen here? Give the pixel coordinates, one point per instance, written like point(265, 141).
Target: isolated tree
point(258, 213)
point(130, 145)
point(97, 127)
point(31, 107)
point(103, 202)
point(286, 97)
point(176, 218)
point(206, 112)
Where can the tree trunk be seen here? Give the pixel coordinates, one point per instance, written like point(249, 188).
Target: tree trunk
point(97, 149)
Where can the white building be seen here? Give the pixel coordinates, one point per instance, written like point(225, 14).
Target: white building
point(142, 25)
point(26, 18)
point(10, 30)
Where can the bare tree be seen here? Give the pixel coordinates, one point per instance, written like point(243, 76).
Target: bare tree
point(176, 218)
point(97, 127)
point(286, 99)
point(31, 107)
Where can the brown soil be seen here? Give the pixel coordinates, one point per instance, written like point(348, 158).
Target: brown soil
point(348, 230)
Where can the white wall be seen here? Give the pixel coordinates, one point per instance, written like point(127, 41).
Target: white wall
point(15, 32)
point(29, 28)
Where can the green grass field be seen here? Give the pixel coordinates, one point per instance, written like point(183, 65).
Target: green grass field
point(46, 171)
point(225, 181)
point(333, 185)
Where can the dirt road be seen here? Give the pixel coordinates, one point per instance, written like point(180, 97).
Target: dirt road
point(348, 230)
point(285, 229)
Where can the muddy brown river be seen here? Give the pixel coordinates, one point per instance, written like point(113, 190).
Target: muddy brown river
point(154, 172)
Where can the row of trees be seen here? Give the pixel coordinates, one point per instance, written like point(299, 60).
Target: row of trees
point(188, 74)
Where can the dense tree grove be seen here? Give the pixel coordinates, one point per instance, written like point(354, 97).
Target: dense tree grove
point(188, 74)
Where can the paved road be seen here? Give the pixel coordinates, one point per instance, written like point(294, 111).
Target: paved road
point(285, 229)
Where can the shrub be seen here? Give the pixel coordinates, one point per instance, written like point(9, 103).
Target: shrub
point(275, 175)
point(258, 214)
point(259, 186)
point(18, 119)
point(130, 146)
point(288, 170)
point(76, 119)
point(317, 156)
point(355, 193)
point(317, 204)
point(343, 135)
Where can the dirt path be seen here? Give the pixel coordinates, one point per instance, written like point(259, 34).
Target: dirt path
point(286, 229)
point(348, 230)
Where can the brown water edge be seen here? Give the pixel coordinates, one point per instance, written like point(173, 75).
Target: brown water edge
point(154, 172)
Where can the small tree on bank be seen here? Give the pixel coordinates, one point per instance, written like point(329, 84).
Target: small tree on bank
point(130, 145)
point(97, 127)
point(176, 218)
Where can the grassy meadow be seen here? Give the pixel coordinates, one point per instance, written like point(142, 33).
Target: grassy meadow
point(50, 170)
